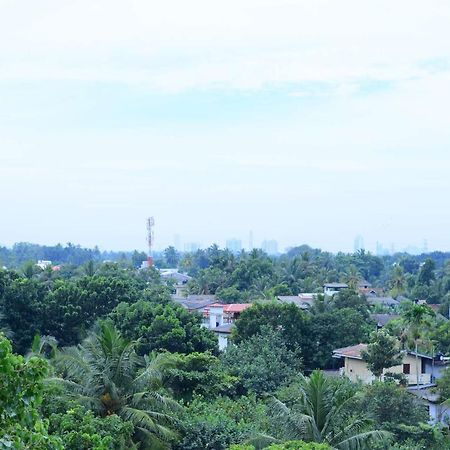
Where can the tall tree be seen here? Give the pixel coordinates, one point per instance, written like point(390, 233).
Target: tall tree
point(171, 256)
point(426, 272)
point(398, 280)
point(105, 374)
point(382, 353)
point(415, 317)
point(319, 416)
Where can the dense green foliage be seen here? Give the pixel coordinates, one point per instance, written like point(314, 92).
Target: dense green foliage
point(163, 327)
point(262, 362)
point(135, 370)
point(318, 413)
point(80, 429)
point(21, 389)
point(104, 373)
point(382, 352)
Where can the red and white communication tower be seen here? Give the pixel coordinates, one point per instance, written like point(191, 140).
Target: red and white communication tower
point(150, 240)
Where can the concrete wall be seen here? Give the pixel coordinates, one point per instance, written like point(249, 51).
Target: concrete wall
point(356, 369)
point(223, 340)
point(215, 316)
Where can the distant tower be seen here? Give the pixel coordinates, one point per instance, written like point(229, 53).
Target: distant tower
point(358, 243)
point(250, 240)
point(150, 239)
point(177, 242)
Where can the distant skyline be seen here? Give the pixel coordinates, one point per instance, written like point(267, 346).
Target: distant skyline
point(306, 121)
point(270, 246)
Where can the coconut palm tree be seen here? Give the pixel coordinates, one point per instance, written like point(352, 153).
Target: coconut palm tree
point(416, 317)
point(352, 277)
point(42, 346)
point(398, 280)
point(318, 417)
point(105, 374)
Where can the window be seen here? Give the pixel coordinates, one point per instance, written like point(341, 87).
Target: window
point(406, 369)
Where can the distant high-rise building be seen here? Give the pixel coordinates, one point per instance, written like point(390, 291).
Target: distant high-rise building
point(250, 240)
point(381, 251)
point(177, 242)
point(234, 245)
point(270, 246)
point(358, 243)
point(191, 247)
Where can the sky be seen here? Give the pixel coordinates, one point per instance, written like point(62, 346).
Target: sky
point(306, 121)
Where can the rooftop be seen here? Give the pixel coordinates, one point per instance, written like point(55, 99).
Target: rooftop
point(300, 300)
point(193, 302)
point(354, 351)
point(225, 328)
point(336, 285)
point(232, 308)
point(387, 301)
point(384, 319)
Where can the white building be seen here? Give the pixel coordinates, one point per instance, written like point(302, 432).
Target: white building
point(43, 264)
point(332, 288)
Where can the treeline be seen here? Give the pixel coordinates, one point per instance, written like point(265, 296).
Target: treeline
point(255, 275)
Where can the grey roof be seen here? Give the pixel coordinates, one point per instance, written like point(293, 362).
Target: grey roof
point(424, 392)
point(354, 351)
point(192, 302)
point(301, 303)
point(177, 276)
point(225, 328)
point(386, 301)
point(383, 319)
point(335, 285)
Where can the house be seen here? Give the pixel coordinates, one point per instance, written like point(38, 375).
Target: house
point(43, 264)
point(173, 274)
point(370, 291)
point(383, 319)
point(437, 411)
point(220, 314)
point(382, 301)
point(363, 284)
point(195, 302)
point(221, 319)
point(357, 370)
point(180, 280)
point(303, 300)
point(332, 288)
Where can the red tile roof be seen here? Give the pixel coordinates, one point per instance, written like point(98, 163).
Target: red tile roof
point(231, 307)
point(236, 307)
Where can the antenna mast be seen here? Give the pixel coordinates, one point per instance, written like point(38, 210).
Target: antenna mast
point(150, 239)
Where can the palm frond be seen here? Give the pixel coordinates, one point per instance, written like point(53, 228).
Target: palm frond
point(261, 440)
point(363, 441)
point(296, 425)
point(148, 422)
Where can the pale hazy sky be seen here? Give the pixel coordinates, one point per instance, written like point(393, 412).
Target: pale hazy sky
point(304, 121)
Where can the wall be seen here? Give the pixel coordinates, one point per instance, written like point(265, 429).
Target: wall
point(223, 340)
point(356, 369)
